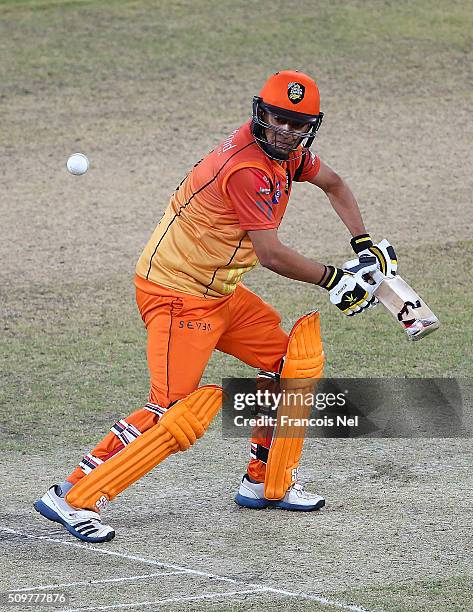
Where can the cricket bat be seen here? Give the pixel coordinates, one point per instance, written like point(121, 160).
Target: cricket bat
point(405, 305)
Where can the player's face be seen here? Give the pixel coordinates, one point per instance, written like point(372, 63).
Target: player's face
point(284, 134)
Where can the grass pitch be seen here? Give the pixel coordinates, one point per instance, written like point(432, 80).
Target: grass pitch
point(145, 89)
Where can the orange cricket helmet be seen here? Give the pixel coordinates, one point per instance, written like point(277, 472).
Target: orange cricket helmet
point(288, 106)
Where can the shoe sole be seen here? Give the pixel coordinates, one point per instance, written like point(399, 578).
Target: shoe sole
point(260, 504)
point(49, 514)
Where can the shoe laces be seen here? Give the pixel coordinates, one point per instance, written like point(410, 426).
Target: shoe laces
point(298, 488)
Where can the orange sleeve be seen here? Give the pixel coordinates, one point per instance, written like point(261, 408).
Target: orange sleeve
point(249, 190)
point(308, 167)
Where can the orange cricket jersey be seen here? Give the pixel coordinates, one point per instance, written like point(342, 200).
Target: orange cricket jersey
point(200, 245)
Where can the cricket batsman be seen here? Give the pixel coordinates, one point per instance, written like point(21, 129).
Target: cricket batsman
point(220, 222)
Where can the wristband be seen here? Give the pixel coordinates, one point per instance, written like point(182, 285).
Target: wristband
point(332, 278)
point(361, 242)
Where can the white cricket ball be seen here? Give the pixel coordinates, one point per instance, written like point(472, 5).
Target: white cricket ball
point(77, 163)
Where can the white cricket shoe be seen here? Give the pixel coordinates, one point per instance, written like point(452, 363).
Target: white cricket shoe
point(83, 524)
point(251, 495)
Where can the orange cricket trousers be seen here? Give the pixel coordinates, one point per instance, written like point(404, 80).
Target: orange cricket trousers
point(182, 332)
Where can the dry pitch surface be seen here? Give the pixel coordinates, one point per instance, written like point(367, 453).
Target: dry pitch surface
point(145, 89)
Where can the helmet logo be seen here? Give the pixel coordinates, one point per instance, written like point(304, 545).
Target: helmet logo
point(295, 92)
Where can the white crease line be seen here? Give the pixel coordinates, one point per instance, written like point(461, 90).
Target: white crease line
point(112, 553)
point(44, 587)
point(169, 600)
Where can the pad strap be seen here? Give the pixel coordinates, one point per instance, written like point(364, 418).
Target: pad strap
point(176, 430)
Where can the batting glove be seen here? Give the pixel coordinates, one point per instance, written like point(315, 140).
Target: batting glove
point(383, 251)
point(355, 265)
point(348, 290)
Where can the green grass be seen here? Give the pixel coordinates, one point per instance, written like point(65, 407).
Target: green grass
point(454, 594)
point(133, 73)
point(85, 43)
point(75, 359)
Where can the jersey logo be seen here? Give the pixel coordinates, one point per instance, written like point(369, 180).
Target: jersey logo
point(262, 184)
point(265, 189)
point(268, 211)
point(295, 92)
point(276, 194)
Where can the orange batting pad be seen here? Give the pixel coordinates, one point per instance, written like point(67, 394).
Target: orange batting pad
point(304, 362)
point(177, 429)
point(305, 354)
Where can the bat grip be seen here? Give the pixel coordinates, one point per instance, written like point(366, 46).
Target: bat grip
point(378, 276)
point(375, 278)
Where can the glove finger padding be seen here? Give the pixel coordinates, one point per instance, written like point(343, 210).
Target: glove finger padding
point(356, 265)
point(384, 253)
point(349, 290)
point(361, 308)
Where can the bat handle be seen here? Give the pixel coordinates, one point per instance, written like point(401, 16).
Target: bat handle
point(375, 278)
point(379, 277)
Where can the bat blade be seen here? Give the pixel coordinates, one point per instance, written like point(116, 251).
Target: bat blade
point(406, 306)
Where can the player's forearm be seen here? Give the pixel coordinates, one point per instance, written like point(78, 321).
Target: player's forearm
point(287, 262)
point(344, 203)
